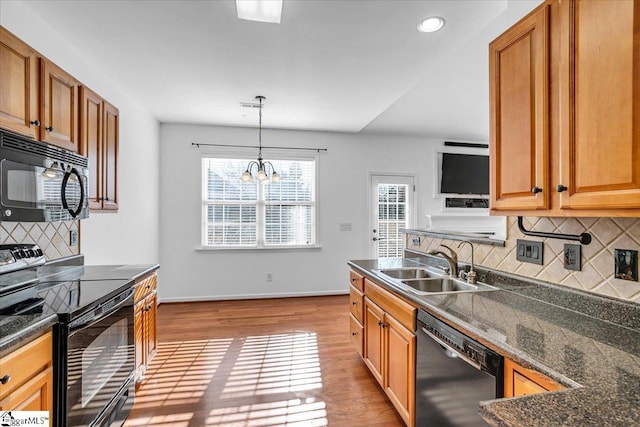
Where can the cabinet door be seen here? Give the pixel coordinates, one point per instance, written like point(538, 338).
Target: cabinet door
point(400, 368)
point(374, 339)
point(110, 163)
point(523, 386)
point(35, 395)
point(18, 86)
point(91, 142)
point(356, 330)
point(520, 381)
point(139, 339)
point(519, 115)
point(151, 318)
point(600, 122)
point(59, 95)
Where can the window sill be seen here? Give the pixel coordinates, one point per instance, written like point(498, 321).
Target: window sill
point(256, 249)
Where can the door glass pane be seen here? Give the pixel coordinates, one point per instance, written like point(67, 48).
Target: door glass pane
point(392, 217)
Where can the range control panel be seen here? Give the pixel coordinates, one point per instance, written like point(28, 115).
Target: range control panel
point(18, 256)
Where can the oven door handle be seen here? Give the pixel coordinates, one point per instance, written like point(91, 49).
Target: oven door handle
point(92, 320)
point(452, 350)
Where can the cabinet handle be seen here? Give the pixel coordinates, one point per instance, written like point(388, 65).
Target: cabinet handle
point(384, 325)
point(5, 379)
point(560, 188)
point(354, 303)
point(49, 128)
point(353, 279)
point(106, 199)
point(536, 190)
point(35, 122)
point(354, 334)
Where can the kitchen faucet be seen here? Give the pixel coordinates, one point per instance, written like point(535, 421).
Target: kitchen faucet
point(452, 260)
point(471, 275)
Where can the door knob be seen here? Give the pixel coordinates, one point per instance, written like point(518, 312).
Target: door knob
point(560, 188)
point(375, 239)
point(35, 122)
point(49, 128)
point(536, 190)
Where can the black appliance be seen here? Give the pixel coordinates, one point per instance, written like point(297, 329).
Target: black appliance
point(453, 374)
point(93, 358)
point(40, 182)
point(94, 339)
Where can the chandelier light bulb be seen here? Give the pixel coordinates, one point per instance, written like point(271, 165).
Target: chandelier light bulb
point(262, 176)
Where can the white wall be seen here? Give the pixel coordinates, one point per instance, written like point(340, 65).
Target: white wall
point(342, 197)
point(131, 235)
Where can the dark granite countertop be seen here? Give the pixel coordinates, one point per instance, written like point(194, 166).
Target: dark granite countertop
point(545, 329)
point(16, 329)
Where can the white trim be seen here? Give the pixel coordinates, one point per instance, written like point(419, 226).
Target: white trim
point(254, 296)
point(255, 248)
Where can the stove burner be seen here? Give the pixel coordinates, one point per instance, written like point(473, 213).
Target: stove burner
point(18, 256)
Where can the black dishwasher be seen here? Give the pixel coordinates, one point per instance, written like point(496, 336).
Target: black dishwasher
point(453, 374)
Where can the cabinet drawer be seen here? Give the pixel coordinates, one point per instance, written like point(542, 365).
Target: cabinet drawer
point(356, 331)
point(356, 280)
point(523, 386)
point(145, 287)
point(25, 363)
point(356, 303)
point(520, 381)
point(402, 311)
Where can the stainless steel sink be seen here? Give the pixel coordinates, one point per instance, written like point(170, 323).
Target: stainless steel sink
point(409, 273)
point(443, 285)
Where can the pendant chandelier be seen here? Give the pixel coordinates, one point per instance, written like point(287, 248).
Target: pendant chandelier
point(260, 165)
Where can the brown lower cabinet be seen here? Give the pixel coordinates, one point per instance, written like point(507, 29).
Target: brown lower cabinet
point(382, 330)
point(521, 381)
point(26, 377)
point(145, 323)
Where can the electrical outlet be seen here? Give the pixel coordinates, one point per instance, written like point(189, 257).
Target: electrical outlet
point(346, 226)
point(572, 257)
point(416, 241)
point(530, 251)
point(626, 264)
point(269, 277)
point(73, 237)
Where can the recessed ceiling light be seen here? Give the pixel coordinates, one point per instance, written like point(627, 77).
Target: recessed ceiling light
point(260, 10)
point(431, 24)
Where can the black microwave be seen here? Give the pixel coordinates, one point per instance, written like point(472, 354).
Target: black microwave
point(40, 182)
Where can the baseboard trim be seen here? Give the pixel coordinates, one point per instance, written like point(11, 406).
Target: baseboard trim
point(252, 296)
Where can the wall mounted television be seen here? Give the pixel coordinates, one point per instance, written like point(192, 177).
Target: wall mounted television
point(463, 174)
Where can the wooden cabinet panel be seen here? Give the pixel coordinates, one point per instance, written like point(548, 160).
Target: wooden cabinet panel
point(110, 161)
point(145, 323)
point(356, 280)
point(520, 381)
point(356, 331)
point(374, 339)
point(34, 395)
point(151, 325)
point(519, 111)
point(400, 310)
point(18, 86)
point(401, 365)
point(91, 115)
point(30, 377)
point(59, 98)
point(600, 123)
point(356, 303)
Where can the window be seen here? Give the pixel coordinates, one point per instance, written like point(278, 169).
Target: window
point(258, 214)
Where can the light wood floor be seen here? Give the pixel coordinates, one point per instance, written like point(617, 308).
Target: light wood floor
point(259, 363)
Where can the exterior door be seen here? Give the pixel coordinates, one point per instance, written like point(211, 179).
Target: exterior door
point(392, 201)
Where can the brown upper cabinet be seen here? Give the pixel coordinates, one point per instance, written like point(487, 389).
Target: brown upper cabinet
point(564, 116)
point(59, 106)
point(99, 143)
point(37, 98)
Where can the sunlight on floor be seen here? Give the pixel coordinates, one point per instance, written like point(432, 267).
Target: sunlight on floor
point(295, 412)
point(181, 372)
point(275, 364)
point(262, 376)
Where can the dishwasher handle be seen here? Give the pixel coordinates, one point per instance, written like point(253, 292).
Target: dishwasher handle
point(451, 350)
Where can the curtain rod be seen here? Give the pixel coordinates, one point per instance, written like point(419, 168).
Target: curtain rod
point(197, 144)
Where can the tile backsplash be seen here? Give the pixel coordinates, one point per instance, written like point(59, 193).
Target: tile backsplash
point(597, 274)
point(52, 237)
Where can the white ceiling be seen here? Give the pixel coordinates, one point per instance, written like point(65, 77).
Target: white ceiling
point(347, 66)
